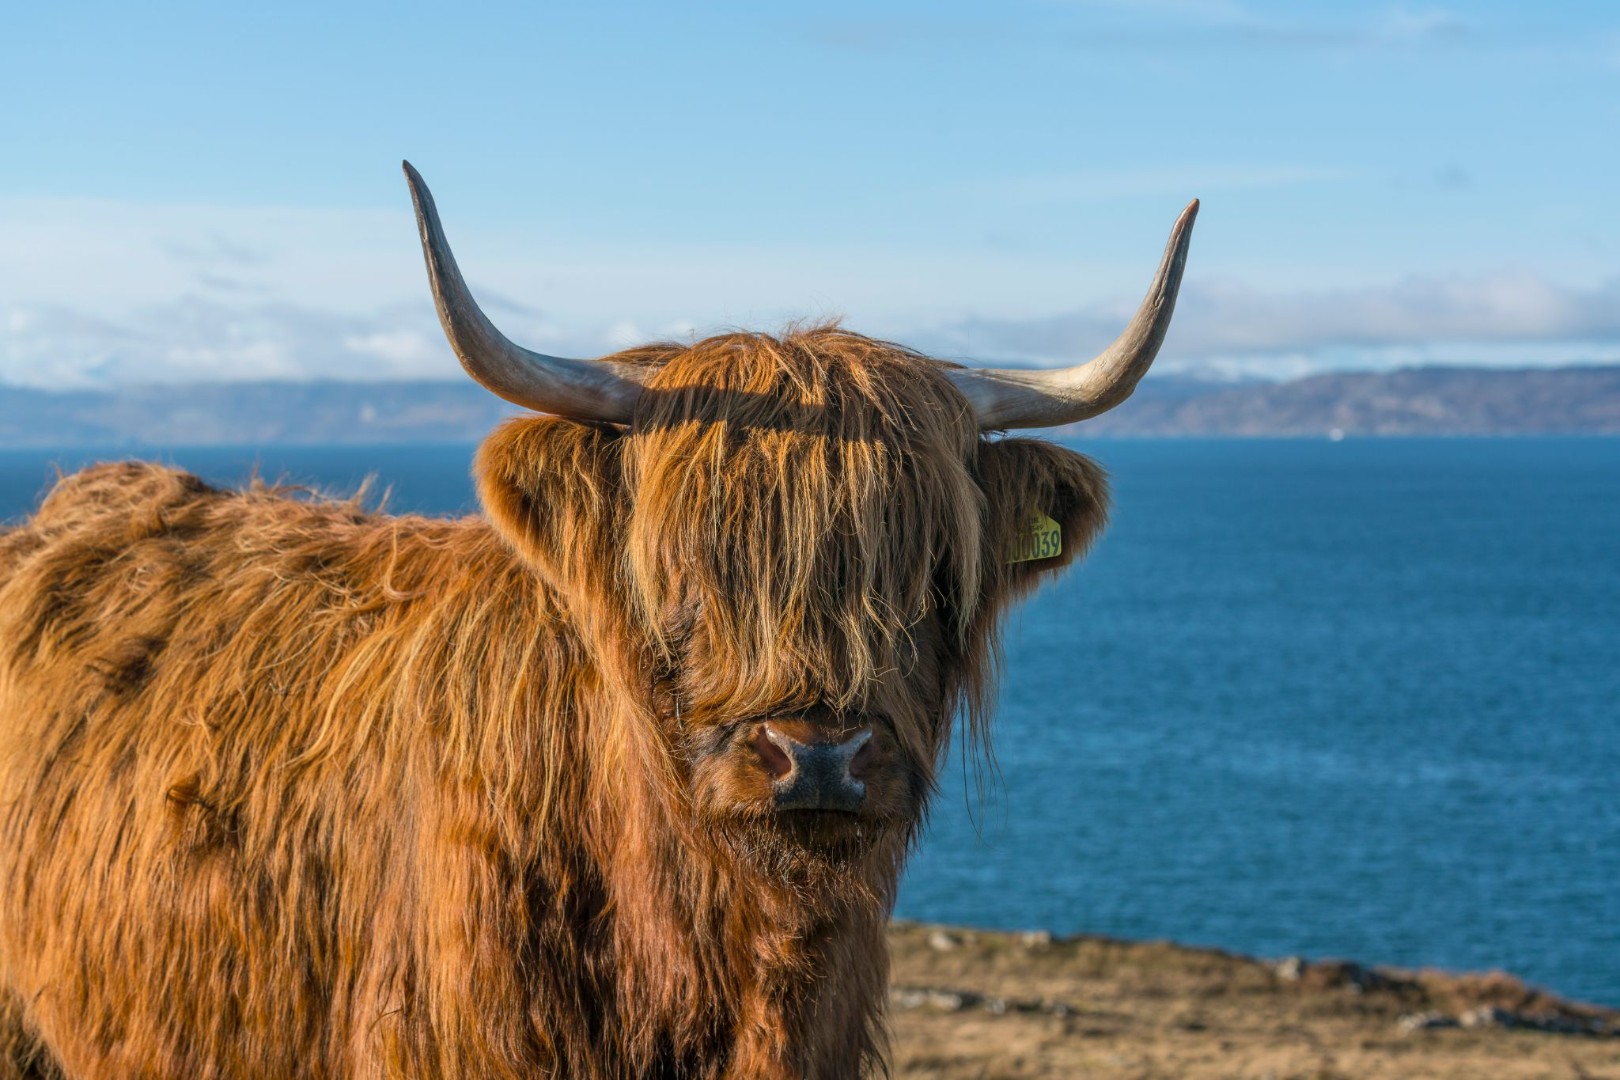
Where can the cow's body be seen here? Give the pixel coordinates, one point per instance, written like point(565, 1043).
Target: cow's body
point(613, 781)
point(235, 812)
point(293, 789)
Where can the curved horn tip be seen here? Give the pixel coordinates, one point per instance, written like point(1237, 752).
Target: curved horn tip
point(1184, 222)
point(582, 389)
point(413, 178)
point(1012, 398)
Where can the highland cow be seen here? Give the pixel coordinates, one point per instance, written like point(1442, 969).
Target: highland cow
point(615, 780)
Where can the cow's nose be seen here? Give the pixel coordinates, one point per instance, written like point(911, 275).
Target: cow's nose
point(814, 775)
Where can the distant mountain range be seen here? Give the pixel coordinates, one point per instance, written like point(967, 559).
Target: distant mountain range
point(1415, 401)
point(1420, 401)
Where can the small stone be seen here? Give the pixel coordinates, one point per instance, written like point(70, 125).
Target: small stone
point(1290, 968)
point(1489, 1016)
point(1427, 1021)
point(937, 998)
point(941, 941)
point(947, 1000)
point(1035, 939)
point(904, 997)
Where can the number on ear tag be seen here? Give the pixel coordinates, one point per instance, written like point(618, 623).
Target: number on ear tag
point(1042, 538)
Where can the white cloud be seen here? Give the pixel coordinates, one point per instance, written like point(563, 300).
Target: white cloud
point(111, 259)
point(412, 349)
point(103, 293)
point(199, 339)
point(1504, 318)
point(1402, 24)
point(202, 339)
point(106, 254)
point(1219, 328)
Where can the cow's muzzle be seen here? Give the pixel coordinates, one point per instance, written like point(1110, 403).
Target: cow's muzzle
point(811, 773)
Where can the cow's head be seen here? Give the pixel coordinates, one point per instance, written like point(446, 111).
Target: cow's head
point(791, 551)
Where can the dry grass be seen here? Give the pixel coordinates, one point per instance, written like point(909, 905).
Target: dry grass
point(976, 1005)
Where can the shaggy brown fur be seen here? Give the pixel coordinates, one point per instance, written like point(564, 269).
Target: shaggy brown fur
point(292, 789)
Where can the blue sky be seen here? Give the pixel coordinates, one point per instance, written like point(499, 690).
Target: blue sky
point(213, 191)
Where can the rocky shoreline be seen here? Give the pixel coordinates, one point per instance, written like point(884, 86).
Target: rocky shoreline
point(981, 1004)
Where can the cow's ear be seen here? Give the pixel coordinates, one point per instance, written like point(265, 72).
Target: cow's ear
point(551, 488)
point(1029, 484)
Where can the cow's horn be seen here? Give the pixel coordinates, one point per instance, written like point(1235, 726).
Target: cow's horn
point(1010, 398)
point(582, 389)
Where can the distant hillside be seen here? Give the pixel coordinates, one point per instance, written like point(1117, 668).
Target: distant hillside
point(1419, 401)
point(1426, 401)
point(251, 414)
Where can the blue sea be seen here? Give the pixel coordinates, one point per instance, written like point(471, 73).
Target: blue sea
point(1356, 699)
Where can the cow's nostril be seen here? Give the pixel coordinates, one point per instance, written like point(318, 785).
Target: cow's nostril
point(814, 775)
point(775, 759)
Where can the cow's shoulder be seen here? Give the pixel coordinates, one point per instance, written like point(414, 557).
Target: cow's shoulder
point(100, 506)
point(118, 490)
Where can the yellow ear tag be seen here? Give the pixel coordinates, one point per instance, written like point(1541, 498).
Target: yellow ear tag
point(1042, 538)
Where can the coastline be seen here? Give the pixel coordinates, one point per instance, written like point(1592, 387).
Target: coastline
point(981, 1003)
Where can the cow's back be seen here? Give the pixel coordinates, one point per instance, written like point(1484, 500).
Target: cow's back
point(208, 786)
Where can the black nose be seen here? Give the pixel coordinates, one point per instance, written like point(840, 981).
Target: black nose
point(818, 774)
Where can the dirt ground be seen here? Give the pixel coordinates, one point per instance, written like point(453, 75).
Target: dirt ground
point(979, 1005)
